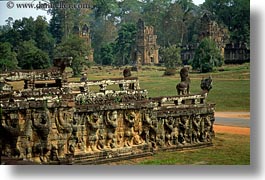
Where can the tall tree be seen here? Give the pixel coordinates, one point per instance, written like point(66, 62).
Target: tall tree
point(207, 56)
point(124, 42)
point(44, 39)
point(107, 54)
point(31, 57)
point(130, 11)
point(8, 59)
point(74, 47)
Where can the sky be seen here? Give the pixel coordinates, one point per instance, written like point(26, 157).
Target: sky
point(9, 9)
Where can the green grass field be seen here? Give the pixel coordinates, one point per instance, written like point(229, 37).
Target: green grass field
point(227, 149)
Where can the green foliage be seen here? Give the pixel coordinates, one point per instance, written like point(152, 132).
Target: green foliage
point(31, 57)
point(171, 57)
point(31, 41)
point(74, 47)
point(124, 42)
point(207, 56)
point(107, 54)
point(235, 14)
point(8, 60)
point(43, 39)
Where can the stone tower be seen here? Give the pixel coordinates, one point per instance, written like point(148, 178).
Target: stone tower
point(146, 49)
point(210, 29)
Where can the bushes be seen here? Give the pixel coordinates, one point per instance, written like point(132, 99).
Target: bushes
point(207, 56)
point(170, 72)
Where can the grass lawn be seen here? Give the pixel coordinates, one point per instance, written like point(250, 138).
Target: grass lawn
point(227, 149)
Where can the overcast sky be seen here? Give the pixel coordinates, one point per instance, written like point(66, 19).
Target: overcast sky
point(8, 9)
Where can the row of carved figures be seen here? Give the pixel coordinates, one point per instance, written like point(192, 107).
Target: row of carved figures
point(50, 134)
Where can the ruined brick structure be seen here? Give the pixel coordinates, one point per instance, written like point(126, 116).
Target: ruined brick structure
point(237, 53)
point(145, 50)
point(63, 122)
point(211, 29)
point(188, 52)
point(233, 53)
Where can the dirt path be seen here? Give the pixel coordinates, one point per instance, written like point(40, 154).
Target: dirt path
point(241, 115)
point(231, 130)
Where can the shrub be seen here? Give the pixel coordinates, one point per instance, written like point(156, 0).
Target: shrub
point(207, 56)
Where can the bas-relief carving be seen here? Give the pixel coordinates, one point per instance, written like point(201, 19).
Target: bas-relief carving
point(51, 134)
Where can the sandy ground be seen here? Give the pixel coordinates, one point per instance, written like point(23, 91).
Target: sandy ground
point(232, 129)
point(241, 115)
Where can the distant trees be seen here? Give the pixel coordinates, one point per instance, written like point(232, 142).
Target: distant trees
point(107, 54)
point(112, 27)
point(124, 42)
point(207, 56)
point(8, 60)
point(74, 47)
point(31, 57)
point(171, 58)
point(29, 41)
point(235, 14)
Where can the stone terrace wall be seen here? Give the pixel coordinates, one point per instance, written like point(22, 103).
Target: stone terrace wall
point(61, 126)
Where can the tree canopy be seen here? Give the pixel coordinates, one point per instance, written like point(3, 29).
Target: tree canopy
point(207, 56)
point(112, 26)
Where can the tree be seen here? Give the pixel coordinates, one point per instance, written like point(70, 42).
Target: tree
point(235, 14)
point(130, 11)
point(43, 39)
point(74, 47)
point(171, 58)
point(124, 42)
point(29, 29)
point(31, 57)
point(207, 56)
point(107, 54)
point(8, 59)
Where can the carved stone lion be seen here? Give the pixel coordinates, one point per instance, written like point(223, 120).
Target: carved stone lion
point(206, 84)
point(184, 86)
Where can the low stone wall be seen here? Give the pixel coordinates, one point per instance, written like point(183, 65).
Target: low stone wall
point(58, 129)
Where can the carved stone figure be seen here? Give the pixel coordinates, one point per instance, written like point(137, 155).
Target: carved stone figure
point(63, 123)
point(93, 121)
point(184, 126)
point(206, 84)
point(11, 130)
point(111, 124)
point(175, 131)
point(207, 126)
point(196, 129)
point(184, 86)
point(153, 132)
point(127, 72)
point(147, 122)
point(168, 126)
point(41, 124)
point(129, 118)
